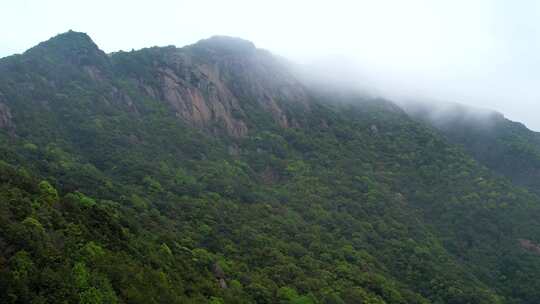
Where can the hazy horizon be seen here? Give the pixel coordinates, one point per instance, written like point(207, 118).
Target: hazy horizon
point(484, 54)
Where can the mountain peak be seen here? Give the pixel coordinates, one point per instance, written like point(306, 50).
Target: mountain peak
point(76, 47)
point(68, 40)
point(73, 35)
point(227, 44)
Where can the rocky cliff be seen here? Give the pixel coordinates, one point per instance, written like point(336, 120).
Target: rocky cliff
point(213, 81)
point(215, 84)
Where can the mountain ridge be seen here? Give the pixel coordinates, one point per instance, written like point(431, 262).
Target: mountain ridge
point(195, 87)
point(175, 175)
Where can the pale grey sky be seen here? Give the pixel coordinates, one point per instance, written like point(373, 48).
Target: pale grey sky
point(480, 52)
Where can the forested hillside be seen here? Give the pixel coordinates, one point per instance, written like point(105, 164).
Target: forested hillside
point(505, 146)
point(210, 174)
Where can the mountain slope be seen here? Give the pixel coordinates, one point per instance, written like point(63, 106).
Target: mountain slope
point(210, 174)
point(504, 146)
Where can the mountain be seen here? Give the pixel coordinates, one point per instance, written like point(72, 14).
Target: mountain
point(212, 174)
point(506, 147)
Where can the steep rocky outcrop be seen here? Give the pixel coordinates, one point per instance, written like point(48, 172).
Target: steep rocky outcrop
point(210, 84)
point(222, 84)
point(202, 104)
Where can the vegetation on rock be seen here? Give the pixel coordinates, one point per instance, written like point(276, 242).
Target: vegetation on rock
point(209, 174)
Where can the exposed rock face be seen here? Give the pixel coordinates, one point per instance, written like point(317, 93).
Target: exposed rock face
point(120, 96)
point(210, 83)
point(224, 85)
point(94, 72)
point(220, 275)
point(5, 117)
point(529, 245)
point(203, 103)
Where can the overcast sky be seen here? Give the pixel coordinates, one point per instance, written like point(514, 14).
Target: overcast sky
point(478, 52)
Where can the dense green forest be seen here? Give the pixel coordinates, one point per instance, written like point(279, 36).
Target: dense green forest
point(210, 174)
